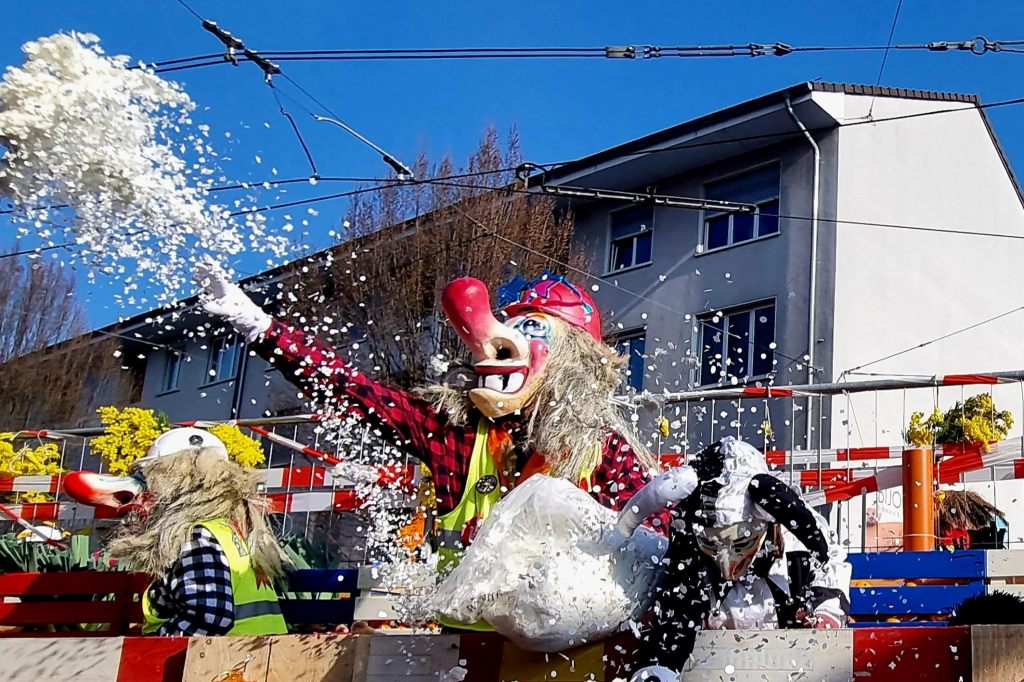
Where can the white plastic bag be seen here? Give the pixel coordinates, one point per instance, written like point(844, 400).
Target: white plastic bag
point(534, 573)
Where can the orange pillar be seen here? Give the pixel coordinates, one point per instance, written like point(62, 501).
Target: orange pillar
point(918, 500)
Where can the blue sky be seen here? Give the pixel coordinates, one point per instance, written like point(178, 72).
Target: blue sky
point(563, 108)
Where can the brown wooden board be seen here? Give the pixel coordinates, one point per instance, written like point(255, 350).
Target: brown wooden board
point(997, 654)
point(290, 658)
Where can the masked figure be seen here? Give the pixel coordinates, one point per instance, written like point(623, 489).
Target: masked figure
point(745, 552)
point(197, 522)
point(541, 400)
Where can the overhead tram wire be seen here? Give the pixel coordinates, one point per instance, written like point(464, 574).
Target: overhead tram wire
point(273, 182)
point(553, 165)
point(615, 285)
point(943, 337)
point(885, 55)
point(667, 200)
point(979, 45)
point(236, 51)
point(603, 194)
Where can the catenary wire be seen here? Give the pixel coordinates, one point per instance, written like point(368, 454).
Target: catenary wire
point(935, 340)
point(978, 45)
point(885, 55)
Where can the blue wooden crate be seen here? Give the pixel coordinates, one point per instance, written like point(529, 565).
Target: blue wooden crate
point(328, 609)
point(318, 611)
point(967, 564)
point(872, 605)
point(324, 580)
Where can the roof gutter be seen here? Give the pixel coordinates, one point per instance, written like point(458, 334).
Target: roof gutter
point(811, 299)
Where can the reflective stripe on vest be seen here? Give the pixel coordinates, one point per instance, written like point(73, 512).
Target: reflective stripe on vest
point(256, 608)
point(473, 505)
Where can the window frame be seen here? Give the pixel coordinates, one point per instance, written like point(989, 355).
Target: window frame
point(176, 358)
point(708, 215)
point(751, 307)
point(227, 340)
point(610, 255)
point(627, 335)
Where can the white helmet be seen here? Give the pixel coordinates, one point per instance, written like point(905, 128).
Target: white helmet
point(42, 533)
point(186, 438)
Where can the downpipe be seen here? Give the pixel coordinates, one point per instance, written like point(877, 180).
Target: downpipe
point(812, 298)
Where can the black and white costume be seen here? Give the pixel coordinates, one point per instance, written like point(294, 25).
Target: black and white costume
point(745, 552)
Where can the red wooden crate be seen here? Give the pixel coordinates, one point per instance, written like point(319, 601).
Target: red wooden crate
point(42, 599)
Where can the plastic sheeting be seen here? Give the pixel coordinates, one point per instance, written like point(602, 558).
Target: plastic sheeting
point(536, 573)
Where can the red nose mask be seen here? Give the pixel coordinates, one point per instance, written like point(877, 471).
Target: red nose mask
point(121, 493)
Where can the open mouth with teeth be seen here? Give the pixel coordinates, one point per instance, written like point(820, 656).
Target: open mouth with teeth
point(502, 378)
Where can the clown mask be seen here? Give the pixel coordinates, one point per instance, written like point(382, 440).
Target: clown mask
point(734, 547)
point(510, 357)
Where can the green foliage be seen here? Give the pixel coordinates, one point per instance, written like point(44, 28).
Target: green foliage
point(18, 556)
point(973, 421)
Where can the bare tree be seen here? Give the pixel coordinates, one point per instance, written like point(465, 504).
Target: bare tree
point(399, 247)
point(50, 373)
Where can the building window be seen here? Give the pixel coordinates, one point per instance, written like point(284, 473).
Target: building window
point(224, 355)
point(172, 370)
point(631, 235)
point(737, 344)
point(760, 188)
point(631, 344)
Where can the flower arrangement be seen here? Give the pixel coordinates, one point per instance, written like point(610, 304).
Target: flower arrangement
point(976, 420)
point(26, 460)
point(129, 432)
point(241, 448)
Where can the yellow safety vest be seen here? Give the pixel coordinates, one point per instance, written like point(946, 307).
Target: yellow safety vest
point(257, 611)
point(481, 492)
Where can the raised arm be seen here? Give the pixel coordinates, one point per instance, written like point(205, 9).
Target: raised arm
point(662, 492)
point(323, 374)
point(829, 591)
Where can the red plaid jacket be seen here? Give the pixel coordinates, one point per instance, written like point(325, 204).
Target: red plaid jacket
point(326, 378)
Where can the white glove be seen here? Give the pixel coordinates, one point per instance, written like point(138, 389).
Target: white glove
point(221, 298)
point(611, 540)
point(669, 488)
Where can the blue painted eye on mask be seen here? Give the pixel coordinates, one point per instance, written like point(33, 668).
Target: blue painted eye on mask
point(532, 327)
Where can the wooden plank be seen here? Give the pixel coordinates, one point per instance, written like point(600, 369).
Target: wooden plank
point(411, 658)
point(879, 603)
point(75, 582)
point(909, 565)
point(1012, 589)
point(284, 658)
point(1005, 563)
point(996, 653)
point(575, 665)
point(771, 656)
point(69, 659)
point(323, 580)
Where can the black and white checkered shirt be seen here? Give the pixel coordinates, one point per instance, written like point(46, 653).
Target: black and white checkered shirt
point(195, 595)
